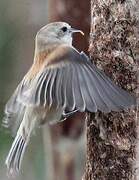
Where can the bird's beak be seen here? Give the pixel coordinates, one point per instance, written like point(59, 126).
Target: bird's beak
point(72, 30)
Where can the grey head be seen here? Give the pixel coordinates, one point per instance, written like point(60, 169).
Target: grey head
point(56, 32)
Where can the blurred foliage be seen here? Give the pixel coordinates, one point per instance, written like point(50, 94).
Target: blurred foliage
point(7, 35)
point(7, 39)
point(10, 36)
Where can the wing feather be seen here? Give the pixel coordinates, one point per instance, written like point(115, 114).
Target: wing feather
point(88, 97)
point(50, 93)
point(72, 82)
point(70, 98)
point(102, 92)
point(94, 90)
point(118, 96)
point(58, 89)
point(77, 91)
point(40, 88)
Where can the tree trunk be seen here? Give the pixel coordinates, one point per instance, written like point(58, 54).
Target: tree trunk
point(112, 138)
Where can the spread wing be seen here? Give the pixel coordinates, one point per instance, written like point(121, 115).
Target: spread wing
point(71, 81)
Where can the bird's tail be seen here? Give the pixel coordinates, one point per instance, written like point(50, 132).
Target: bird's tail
point(14, 158)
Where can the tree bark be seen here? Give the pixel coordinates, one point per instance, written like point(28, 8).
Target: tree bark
point(114, 47)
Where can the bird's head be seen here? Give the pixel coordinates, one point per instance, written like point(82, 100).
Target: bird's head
point(57, 32)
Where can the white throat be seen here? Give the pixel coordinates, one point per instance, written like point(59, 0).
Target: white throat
point(67, 40)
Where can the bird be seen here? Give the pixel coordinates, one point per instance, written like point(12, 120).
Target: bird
point(60, 82)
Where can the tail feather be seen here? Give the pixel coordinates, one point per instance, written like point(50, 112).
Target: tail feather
point(20, 155)
point(14, 158)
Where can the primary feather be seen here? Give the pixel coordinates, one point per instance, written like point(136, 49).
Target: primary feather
point(75, 83)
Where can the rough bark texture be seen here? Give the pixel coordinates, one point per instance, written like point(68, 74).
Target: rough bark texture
point(114, 47)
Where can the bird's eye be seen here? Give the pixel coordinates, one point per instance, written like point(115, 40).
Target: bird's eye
point(64, 29)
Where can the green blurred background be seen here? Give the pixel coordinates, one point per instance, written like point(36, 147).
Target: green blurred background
point(19, 22)
point(54, 153)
